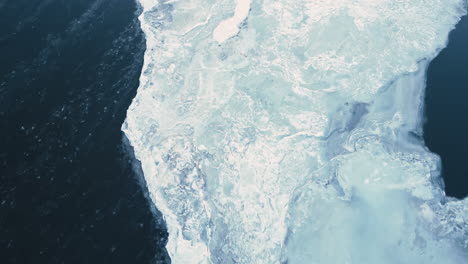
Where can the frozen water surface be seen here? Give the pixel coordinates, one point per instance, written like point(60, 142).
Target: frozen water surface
point(290, 131)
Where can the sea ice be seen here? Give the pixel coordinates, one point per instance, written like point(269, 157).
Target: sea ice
point(289, 131)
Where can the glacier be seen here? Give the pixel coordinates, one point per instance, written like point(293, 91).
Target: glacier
point(290, 131)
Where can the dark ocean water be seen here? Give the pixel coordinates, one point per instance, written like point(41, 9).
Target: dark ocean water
point(69, 192)
point(446, 127)
point(68, 71)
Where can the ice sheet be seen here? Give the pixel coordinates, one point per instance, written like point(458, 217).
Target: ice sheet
point(273, 131)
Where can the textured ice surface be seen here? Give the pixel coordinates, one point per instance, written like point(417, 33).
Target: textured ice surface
point(274, 131)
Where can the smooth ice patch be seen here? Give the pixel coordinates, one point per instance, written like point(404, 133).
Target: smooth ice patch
point(230, 26)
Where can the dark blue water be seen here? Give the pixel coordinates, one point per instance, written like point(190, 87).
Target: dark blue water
point(68, 71)
point(446, 127)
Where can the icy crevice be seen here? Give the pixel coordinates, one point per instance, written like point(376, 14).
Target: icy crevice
point(295, 138)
